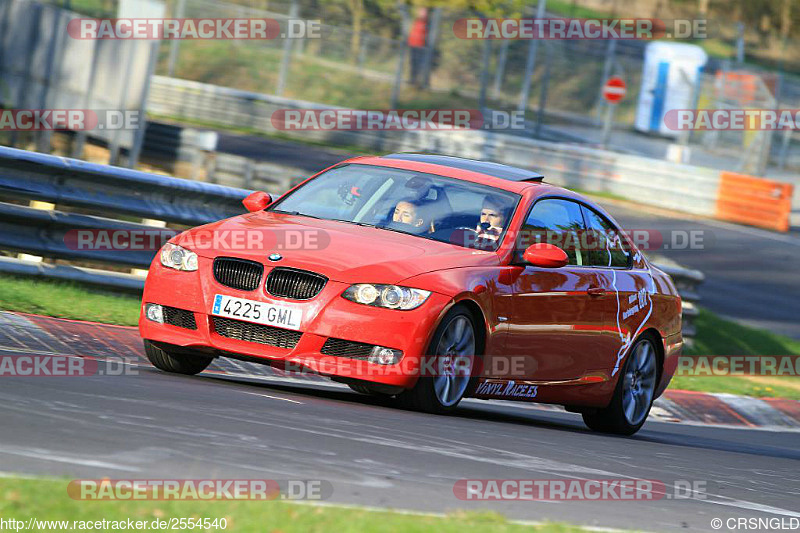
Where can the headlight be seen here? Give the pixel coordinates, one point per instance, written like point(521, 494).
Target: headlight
point(389, 296)
point(173, 256)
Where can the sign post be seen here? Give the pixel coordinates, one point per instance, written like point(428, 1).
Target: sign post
point(614, 90)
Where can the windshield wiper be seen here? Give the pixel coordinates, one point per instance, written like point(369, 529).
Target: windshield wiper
point(365, 224)
point(389, 228)
point(368, 225)
point(296, 213)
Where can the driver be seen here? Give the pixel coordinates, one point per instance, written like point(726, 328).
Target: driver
point(492, 219)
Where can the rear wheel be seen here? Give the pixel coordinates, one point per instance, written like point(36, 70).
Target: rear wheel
point(176, 363)
point(454, 348)
point(633, 396)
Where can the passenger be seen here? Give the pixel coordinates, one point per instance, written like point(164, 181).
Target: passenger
point(420, 218)
point(406, 213)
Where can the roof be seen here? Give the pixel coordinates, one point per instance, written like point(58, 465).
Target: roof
point(496, 170)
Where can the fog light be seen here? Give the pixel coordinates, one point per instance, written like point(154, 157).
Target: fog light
point(154, 312)
point(385, 356)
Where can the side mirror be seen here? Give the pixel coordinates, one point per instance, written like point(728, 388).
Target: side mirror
point(545, 255)
point(257, 201)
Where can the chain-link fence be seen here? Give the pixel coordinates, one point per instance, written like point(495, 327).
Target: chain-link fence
point(373, 70)
point(329, 69)
point(368, 65)
point(566, 81)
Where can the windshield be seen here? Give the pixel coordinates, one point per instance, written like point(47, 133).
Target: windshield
point(425, 205)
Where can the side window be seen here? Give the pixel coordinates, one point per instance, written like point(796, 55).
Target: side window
point(607, 246)
point(554, 221)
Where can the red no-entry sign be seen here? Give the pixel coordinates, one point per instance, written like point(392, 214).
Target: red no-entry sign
point(614, 90)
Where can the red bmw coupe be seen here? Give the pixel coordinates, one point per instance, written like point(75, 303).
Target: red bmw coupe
point(428, 278)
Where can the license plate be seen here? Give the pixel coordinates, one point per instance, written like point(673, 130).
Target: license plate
point(281, 316)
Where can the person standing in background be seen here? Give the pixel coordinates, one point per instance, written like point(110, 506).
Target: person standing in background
point(417, 39)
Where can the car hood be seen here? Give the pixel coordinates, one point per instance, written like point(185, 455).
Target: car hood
point(341, 251)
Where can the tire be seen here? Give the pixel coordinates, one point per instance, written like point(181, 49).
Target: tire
point(174, 362)
point(430, 394)
point(633, 395)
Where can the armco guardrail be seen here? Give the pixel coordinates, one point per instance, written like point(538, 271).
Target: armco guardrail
point(687, 281)
point(233, 171)
point(649, 181)
point(32, 176)
point(99, 188)
point(187, 152)
point(54, 234)
point(170, 141)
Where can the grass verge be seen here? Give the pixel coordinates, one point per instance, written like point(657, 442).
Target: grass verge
point(46, 499)
point(67, 300)
point(716, 336)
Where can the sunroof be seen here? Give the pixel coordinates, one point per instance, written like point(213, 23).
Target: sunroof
point(497, 170)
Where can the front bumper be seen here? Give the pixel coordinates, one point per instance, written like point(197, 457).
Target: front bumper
point(327, 315)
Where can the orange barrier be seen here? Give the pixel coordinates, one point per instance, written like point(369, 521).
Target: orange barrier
point(741, 87)
point(755, 201)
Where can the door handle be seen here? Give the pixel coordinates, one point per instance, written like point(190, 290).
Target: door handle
point(596, 291)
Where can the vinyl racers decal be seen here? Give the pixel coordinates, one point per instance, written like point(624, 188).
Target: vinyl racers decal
point(640, 303)
point(507, 389)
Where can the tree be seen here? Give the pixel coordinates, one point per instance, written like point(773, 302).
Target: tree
point(786, 19)
point(357, 12)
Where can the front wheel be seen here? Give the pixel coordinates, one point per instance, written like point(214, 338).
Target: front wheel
point(175, 362)
point(633, 395)
point(454, 349)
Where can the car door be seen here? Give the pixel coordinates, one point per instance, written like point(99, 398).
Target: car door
point(628, 286)
point(557, 320)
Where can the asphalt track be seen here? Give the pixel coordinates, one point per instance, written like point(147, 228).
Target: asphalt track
point(751, 274)
point(131, 421)
point(154, 425)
